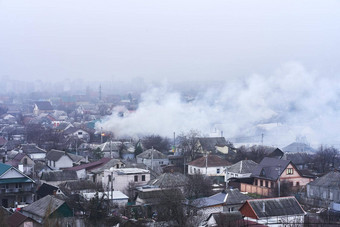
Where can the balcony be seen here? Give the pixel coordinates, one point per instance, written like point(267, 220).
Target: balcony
point(16, 190)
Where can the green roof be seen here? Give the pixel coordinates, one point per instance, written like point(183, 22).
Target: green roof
point(4, 168)
point(16, 180)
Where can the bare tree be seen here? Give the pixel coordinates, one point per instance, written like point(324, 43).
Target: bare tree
point(188, 144)
point(325, 159)
point(157, 142)
point(198, 186)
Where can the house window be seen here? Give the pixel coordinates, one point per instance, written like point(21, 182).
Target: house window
point(53, 163)
point(136, 178)
point(324, 195)
point(117, 166)
point(80, 133)
point(25, 161)
point(18, 185)
point(109, 177)
point(143, 177)
point(217, 171)
point(267, 184)
point(297, 183)
point(199, 171)
point(272, 184)
point(261, 183)
point(256, 182)
point(236, 175)
point(290, 171)
point(230, 209)
point(161, 162)
point(194, 170)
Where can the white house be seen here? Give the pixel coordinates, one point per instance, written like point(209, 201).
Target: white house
point(211, 165)
point(120, 178)
point(152, 158)
point(97, 174)
point(58, 159)
point(77, 132)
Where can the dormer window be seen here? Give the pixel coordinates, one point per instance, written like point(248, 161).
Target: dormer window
point(263, 173)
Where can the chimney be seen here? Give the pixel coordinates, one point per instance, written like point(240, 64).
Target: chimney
point(263, 207)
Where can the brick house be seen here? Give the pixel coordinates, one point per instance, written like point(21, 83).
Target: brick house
point(269, 172)
point(284, 211)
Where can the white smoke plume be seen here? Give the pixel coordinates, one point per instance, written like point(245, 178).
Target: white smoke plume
point(290, 102)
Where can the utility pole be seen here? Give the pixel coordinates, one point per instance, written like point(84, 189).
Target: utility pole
point(174, 148)
point(206, 164)
point(152, 158)
point(278, 182)
point(262, 138)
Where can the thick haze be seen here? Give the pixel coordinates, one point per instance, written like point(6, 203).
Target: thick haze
point(290, 102)
point(176, 40)
point(279, 60)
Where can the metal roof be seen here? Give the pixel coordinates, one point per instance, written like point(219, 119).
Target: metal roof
point(274, 207)
point(4, 168)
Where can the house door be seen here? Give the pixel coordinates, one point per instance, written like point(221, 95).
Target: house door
point(4, 202)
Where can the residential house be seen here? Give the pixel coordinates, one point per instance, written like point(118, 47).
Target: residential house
point(153, 199)
point(229, 219)
point(119, 179)
point(97, 174)
point(59, 159)
point(23, 162)
point(77, 159)
point(215, 145)
point(57, 177)
point(169, 180)
point(210, 165)
point(16, 187)
point(269, 172)
point(152, 158)
point(84, 169)
point(111, 149)
point(79, 187)
point(19, 220)
point(324, 191)
point(47, 189)
point(49, 209)
point(241, 169)
point(42, 107)
point(77, 133)
point(229, 200)
point(274, 211)
point(33, 151)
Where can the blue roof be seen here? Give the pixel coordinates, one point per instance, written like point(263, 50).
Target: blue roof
point(4, 168)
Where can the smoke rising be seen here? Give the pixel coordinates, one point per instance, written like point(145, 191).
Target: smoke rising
point(288, 103)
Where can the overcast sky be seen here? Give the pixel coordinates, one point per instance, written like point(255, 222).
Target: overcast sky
point(175, 39)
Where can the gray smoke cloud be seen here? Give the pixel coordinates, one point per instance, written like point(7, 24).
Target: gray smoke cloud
point(288, 103)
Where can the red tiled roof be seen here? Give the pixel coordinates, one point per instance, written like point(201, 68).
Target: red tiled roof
point(213, 160)
point(91, 165)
